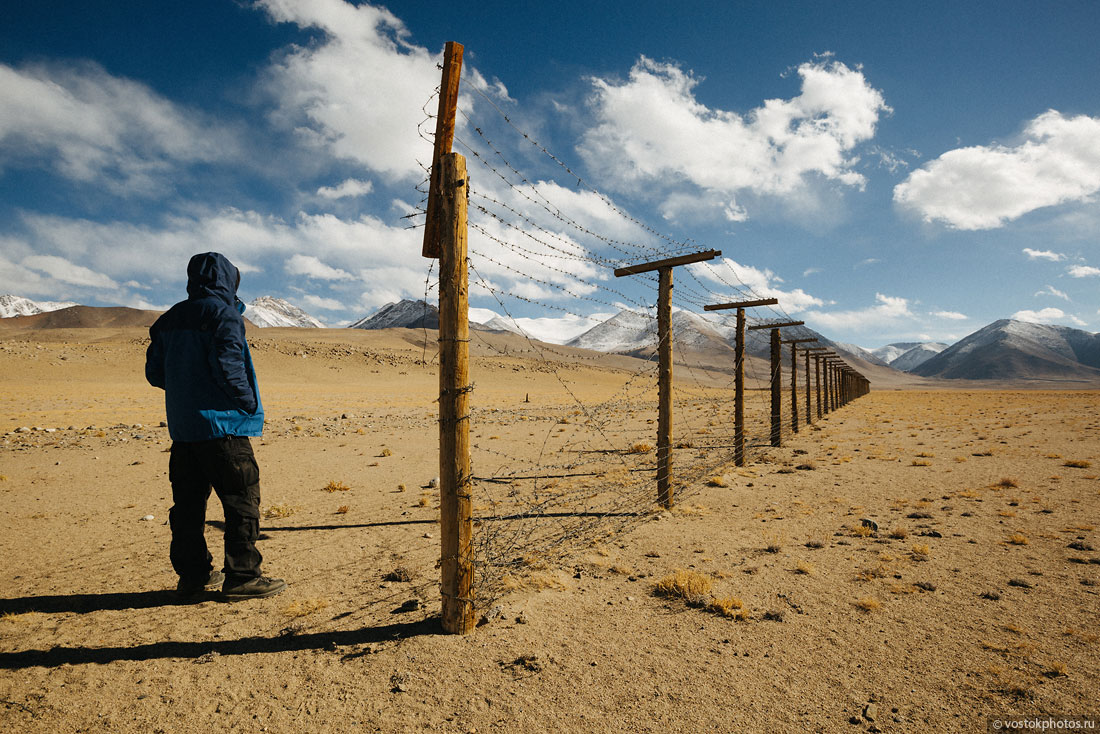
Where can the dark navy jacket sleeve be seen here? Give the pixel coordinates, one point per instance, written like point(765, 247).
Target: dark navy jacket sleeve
point(227, 362)
point(154, 360)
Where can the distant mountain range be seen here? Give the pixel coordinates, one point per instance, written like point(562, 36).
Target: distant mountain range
point(906, 356)
point(1004, 350)
point(266, 311)
point(1012, 350)
point(18, 306)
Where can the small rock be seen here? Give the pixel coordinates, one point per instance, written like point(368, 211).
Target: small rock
point(163, 424)
point(919, 516)
point(148, 518)
point(930, 534)
point(991, 595)
point(433, 482)
point(521, 619)
point(868, 523)
point(855, 720)
point(491, 616)
point(1081, 546)
point(427, 535)
point(207, 658)
point(23, 429)
point(398, 574)
point(410, 606)
point(1019, 583)
point(870, 711)
point(400, 682)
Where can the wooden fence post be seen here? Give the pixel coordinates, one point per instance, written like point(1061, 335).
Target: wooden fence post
point(664, 356)
point(739, 371)
point(794, 387)
point(456, 525)
point(444, 138)
point(777, 387)
point(664, 389)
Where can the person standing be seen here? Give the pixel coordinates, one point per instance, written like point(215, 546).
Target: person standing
point(199, 357)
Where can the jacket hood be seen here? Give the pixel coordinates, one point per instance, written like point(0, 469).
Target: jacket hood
point(211, 274)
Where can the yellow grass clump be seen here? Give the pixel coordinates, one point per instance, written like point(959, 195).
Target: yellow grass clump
point(728, 606)
point(869, 604)
point(386, 452)
point(640, 448)
point(687, 585)
point(277, 511)
point(343, 510)
point(1018, 539)
point(1078, 464)
point(718, 481)
point(302, 607)
point(335, 486)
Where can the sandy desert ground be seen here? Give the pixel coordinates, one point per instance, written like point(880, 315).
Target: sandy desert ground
point(765, 601)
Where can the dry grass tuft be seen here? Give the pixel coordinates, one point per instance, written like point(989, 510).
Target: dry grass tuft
point(718, 481)
point(690, 586)
point(422, 502)
point(773, 542)
point(920, 462)
point(869, 604)
point(335, 486)
point(727, 606)
point(1018, 539)
point(277, 511)
point(899, 532)
point(1007, 483)
point(343, 510)
point(805, 567)
point(386, 452)
point(640, 448)
point(302, 607)
point(1077, 464)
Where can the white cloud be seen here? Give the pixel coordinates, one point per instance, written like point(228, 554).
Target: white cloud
point(1043, 316)
point(67, 272)
point(727, 273)
point(311, 267)
point(810, 271)
point(1052, 291)
point(651, 130)
point(983, 187)
point(867, 261)
point(888, 312)
point(325, 304)
point(349, 188)
point(1082, 271)
point(360, 90)
point(951, 315)
point(1043, 255)
point(92, 127)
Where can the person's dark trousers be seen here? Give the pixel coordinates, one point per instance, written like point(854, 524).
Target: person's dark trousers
point(229, 466)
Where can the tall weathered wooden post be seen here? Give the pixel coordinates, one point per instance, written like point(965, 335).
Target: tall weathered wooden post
point(776, 378)
point(445, 235)
point(817, 382)
point(739, 371)
point(664, 359)
point(794, 380)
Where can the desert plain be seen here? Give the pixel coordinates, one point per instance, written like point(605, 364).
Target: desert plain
point(925, 558)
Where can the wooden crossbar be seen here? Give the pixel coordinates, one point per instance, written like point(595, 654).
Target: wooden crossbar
point(776, 326)
point(669, 263)
point(742, 304)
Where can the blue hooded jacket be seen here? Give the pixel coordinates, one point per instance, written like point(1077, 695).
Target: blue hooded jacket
point(199, 357)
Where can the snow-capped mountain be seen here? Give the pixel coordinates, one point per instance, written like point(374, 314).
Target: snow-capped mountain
point(1009, 349)
point(266, 311)
point(19, 306)
point(918, 355)
point(858, 351)
point(406, 314)
point(499, 323)
point(890, 352)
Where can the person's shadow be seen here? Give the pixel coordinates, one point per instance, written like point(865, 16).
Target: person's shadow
point(87, 603)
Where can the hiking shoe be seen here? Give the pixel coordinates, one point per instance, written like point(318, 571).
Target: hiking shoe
point(255, 588)
point(186, 588)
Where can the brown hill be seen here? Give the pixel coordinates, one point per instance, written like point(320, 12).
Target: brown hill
point(82, 317)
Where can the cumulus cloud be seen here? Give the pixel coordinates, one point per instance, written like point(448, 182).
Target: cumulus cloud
point(1044, 316)
point(1052, 291)
point(349, 188)
point(1083, 271)
point(760, 283)
point(1043, 255)
point(312, 267)
point(888, 311)
point(983, 187)
point(360, 90)
point(951, 315)
point(91, 127)
point(651, 130)
point(324, 304)
point(67, 272)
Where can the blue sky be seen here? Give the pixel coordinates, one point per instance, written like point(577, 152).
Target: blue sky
point(890, 171)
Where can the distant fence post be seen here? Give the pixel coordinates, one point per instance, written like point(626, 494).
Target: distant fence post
point(794, 381)
point(739, 371)
point(664, 358)
point(776, 378)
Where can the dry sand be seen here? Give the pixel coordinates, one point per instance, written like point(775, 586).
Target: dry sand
point(977, 596)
